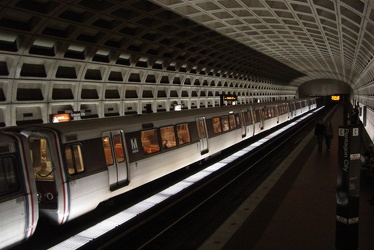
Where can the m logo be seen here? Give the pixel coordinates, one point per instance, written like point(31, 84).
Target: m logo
point(134, 145)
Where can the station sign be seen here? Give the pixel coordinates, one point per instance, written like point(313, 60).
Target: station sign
point(335, 97)
point(348, 188)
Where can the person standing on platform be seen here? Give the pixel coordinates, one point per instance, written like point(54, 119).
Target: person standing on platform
point(368, 157)
point(319, 133)
point(354, 116)
point(329, 134)
point(368, 160)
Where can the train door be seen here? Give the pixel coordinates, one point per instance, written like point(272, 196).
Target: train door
point(203, 135)
point(302, 107)
point(50, 177)
point(364, 115)
point(260, 117)
point(252, 121)
point(292, 109)
point(277, 112)
point(243, 123)
point(115, 159)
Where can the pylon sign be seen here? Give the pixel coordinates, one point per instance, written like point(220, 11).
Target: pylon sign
point(348, 188)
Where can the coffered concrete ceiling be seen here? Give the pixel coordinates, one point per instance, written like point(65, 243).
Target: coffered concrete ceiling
point(323, 39)
point(281, 42)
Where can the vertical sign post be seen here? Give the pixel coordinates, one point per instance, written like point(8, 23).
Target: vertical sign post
point(348, 188)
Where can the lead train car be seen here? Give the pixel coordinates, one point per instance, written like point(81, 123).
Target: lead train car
point(18, 197)
point(80, 164)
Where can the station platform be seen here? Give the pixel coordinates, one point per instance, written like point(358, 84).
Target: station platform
point(295, 208)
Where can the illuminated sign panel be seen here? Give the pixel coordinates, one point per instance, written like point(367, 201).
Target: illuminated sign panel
point(335, 97)
point(178, 107)
point(56, 118)
point(230, 98)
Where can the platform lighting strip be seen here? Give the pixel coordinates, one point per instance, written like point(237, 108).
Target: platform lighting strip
point(109, 224)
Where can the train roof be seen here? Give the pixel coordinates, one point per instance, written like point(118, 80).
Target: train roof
point(90, 128)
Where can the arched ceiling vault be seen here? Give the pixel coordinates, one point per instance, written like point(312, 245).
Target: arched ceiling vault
point(321, 38)
point(284, 42)
point(332, 39)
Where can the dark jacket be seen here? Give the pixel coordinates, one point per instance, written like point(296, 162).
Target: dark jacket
point(320, 129)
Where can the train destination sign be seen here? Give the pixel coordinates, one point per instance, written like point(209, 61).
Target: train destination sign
point(230, 98)
point(56, 118)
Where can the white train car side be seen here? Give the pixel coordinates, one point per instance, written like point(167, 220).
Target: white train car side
point(18, 197)
point(75, 166)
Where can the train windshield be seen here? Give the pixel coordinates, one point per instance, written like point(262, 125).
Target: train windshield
point(41, 158)
point(8, 178)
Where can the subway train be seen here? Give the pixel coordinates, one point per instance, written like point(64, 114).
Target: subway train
point(18, 196)
point(63, 170)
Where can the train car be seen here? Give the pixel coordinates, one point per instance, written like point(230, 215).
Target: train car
point(18, 197)
point(80, 164)
point(299, 107)
point(283, 112)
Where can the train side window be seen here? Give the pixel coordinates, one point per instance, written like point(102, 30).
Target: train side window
point(150, 142)
point(118, 147)
point(8, 177)
point(168, 137)
point(225, 123)
point(183, 134)
point(232, 121)
point(271, 112)
point(250, 121)
point(73, 154)
point(41, 158)
point(216, 125)
point(108, 151)
point(256, 117)
point(265, 113)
